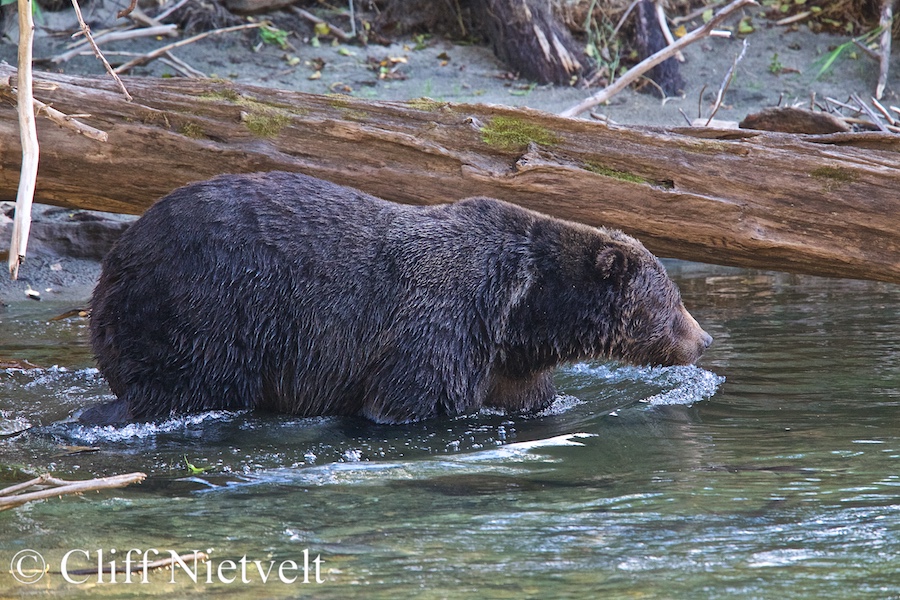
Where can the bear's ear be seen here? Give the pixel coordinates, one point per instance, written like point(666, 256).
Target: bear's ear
point(610, 262)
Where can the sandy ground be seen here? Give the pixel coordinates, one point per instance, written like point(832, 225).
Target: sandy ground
point(779, 67)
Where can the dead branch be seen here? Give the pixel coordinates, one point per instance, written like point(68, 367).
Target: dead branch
point(60, 118)
point(821, 204)
point(667, 33)
point(335, 31)
point(726, 81)
point(90, 38)
point(29, 140)
point(887, 22)
point(142, 60)
point(115, 36)
point(139, 16)
point(11, 496)
point(635, 72)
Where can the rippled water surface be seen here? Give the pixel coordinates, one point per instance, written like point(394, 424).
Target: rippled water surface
point(768, 471)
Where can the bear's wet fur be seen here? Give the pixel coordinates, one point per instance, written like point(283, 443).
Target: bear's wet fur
point(282, 292)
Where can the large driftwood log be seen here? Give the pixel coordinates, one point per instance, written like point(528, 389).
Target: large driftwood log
point(816, 204)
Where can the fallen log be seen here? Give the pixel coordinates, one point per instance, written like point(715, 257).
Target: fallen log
point(824, 205)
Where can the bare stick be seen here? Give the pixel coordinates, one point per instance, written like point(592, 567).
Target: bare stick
point(64, 487)
point(623, 18)
point(884, 111)
point(170, 10)
point(181, 66)
point(695, 13)
point(69, 122)
point(139, 16)
point(651, 61)
point(866, 50)
point(335, 31)
point(855, 109)
point(793, 18)
point(127, 11)
point(887, 20)
point(141, 60)
point(24, 485)
point(114, 36)
point(29, 140)
point(90, 39)
point(726, 82)
point(876, 120)
point(667, 33)
point(58, 117)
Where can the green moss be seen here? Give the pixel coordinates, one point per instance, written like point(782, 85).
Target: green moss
point(355, 115)
point(426, 104)
point(833, 178)
point(265, 124)
point(155, 118)
point(834, 174)
point(192, 130)
point(339, 101)
point(223, 94)
point(509, 133)
point(262, 119)
point(614, 173)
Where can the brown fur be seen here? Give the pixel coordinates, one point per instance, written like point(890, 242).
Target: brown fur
point(283, 292)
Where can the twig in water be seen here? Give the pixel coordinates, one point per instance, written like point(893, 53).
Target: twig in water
point(141, 60)
point(651, 61)
point(11, 498)
point(726, 82)
point(90, 39)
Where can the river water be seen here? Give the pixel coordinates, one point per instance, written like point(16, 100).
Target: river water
point(771, 470)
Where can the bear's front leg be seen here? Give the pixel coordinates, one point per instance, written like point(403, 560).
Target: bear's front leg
point(521, 394)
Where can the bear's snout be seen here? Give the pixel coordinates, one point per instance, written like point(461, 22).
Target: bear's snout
point(693, 339)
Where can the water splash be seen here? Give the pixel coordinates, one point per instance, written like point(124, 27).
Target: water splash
point(656, 386)
point(93, 434)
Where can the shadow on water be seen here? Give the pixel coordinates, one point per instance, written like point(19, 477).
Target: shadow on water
point(769, 470)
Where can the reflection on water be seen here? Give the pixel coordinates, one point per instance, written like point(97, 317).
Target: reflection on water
point(769, 470)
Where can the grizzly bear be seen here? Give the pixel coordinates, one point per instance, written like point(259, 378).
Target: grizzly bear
point(282, 292)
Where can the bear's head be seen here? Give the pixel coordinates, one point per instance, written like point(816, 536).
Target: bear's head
point(598, 293)
point(650, 325)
